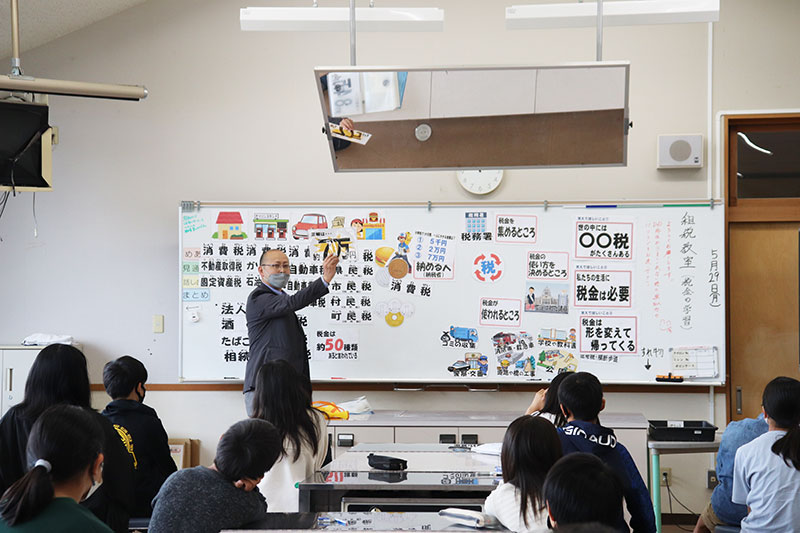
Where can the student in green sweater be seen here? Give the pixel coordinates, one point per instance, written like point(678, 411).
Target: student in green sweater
point(65, 452)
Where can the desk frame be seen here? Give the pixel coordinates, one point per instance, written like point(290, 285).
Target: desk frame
point(658, 448)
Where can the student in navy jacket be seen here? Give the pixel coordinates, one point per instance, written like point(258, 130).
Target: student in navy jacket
point(581, 399)
point(139, 428)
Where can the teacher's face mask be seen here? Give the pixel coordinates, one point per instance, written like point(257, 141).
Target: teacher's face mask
point(278, 281)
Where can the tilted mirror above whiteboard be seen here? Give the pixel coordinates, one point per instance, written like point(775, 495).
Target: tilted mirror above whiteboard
point(475, 117)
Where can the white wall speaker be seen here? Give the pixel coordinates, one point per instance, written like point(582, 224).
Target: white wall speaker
point(680, 151)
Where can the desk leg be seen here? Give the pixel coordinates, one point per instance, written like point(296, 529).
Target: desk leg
point(655, 486)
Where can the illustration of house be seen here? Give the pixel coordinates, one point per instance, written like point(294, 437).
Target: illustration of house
point(269, 226)
point(230, 225)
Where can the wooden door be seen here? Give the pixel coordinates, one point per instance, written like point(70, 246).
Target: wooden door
point(763, 304)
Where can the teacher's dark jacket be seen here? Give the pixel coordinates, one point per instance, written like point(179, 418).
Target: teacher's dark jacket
point(274, 330)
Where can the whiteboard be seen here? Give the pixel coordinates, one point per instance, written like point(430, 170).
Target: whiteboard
point(466, 293)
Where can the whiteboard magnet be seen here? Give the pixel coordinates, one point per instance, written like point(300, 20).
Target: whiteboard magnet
point(194, 316)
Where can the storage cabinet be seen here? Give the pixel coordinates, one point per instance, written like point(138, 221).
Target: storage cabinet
point(16, 362)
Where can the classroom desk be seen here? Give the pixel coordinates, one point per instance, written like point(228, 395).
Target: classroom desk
point(436, 477)
point(431, 426)
point(659, 448)
point(336, 521)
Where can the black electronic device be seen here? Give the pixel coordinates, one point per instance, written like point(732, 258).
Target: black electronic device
point(384, 462)
point(25, 146)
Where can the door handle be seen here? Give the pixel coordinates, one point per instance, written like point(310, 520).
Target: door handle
point(10, 379)
point(738, 400)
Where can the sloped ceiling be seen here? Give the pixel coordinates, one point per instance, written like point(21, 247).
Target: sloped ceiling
point(42, 21)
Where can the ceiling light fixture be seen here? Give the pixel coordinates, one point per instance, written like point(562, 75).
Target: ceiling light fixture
point(376, 19)
point(629, 13)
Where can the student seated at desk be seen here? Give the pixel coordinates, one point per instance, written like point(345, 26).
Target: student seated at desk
point(581, 489)
point(283, 399)
point(721, 510)
point(766, 472)
point(59, 376)
point(530, 447)
point(139, 427)
point(545, 402)
point(224, 495)
point(581, 399)
point(65, 449)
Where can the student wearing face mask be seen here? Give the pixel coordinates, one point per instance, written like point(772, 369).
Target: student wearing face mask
point(59, 376)
point(139, 428)
point(272, 325)
point(65, 453)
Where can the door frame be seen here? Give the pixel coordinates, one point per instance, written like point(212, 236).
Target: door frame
point(748, 209)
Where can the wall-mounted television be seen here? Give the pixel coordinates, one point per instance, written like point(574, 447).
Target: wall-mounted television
point(26, 141)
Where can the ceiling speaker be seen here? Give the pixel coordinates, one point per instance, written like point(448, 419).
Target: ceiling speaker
point(680, 151)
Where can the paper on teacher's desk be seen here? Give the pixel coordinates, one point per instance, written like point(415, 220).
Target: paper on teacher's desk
point(359, 406)
point(490, 448)
point(356, 136)
point(43, 339)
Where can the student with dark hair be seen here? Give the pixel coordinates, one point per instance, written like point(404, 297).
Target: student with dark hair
point(59, 376)
point(766, 472)
point(65, 450)
point(224, 495)
point(545, 402)
point(283, 399)
point(530, 447)
point(581, 399)
point(581, 488)
point(139, 428)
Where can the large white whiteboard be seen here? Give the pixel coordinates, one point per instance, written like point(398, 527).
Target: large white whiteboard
point(627, 293)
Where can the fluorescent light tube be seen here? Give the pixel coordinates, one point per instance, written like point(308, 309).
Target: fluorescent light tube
point(387, 19)
point(628, 13)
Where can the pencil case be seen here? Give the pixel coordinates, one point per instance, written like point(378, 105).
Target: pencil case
point(384, 462)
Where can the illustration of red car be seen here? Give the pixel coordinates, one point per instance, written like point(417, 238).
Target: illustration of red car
point(308, 222)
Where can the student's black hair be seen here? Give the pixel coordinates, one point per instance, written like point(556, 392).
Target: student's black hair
point(122, 375)
point(582, 395)
point(247, 449)
point(551, 403)
point(530, 448)
point(582, 488)
point(58, 375)
point(70, 439)
point(283, 397)
point(781, 401)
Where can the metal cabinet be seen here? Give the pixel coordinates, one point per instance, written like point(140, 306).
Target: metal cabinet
point(16, 362)
point(345, 437)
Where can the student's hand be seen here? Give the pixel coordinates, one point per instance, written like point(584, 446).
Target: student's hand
point(246, 484)
point(347, 124)
point(538, 402)
point(329, 267)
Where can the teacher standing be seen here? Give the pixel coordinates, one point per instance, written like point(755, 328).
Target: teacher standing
point(272, 325)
